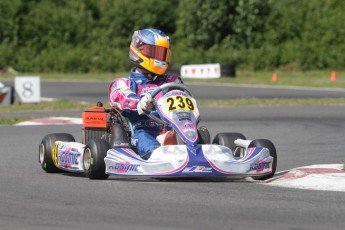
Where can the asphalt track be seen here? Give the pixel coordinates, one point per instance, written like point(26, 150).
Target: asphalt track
point(33, 199)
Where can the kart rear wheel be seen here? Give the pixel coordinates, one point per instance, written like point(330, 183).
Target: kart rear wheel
point(93, 160)
point(45, 150)
point(273, 153)
point(228, 139)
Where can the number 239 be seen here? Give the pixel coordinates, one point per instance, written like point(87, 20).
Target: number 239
point(179, 102)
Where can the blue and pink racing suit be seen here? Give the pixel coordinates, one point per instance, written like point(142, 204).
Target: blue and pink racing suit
point(124, 95)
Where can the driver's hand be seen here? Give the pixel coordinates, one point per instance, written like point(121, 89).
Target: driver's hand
point(145, 104)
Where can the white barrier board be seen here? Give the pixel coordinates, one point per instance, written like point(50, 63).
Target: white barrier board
point(201, 71)
point(28, 89)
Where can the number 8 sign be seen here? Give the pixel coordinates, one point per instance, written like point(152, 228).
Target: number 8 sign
point(28, 89)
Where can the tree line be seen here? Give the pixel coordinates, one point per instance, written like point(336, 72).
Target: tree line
point(94, 35)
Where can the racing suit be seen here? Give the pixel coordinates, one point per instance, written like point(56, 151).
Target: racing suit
point(124, 95)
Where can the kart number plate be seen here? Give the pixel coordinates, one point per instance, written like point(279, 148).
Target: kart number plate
point(179, 103)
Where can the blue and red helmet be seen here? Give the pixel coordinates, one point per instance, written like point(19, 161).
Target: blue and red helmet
point(150, 50)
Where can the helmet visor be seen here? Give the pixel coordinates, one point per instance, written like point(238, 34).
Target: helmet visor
point(155, 52)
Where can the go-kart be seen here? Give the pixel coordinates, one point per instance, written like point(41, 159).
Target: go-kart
point(185, 149)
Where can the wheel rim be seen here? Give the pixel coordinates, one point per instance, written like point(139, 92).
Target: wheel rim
point(87, 159)
point(41, 153)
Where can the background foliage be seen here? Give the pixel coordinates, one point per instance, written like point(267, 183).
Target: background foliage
point(94, 35)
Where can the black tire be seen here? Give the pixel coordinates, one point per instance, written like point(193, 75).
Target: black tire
point(93, 160)
point(227, 139)
point(273, 153)
point(45, 150)
point(204, 135)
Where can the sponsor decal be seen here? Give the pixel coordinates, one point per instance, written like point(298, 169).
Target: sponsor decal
point(188, 128)
point(259, 166)
point(150, 123)
point(174, 92)
point(161, 64)
point(124, 167)
point(197, 169)
point(184, 116)
point(147, 89)
point(68, 156)
point(188, 125)
point(95, 118)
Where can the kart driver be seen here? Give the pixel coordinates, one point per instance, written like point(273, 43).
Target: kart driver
point(149, 51)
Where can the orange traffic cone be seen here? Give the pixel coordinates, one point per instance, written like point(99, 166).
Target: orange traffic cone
point(333, 76)
point(274, 77)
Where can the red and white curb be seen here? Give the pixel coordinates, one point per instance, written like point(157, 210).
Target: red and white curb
point(52, 121)
point(327, 177)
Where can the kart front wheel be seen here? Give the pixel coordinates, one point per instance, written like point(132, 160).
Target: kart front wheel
point(93, 160)
point(228, 139)
point(45, 150)
point(204, 135)
point(273, 153)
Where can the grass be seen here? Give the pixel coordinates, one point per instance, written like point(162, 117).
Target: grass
point(13, 120)
point(46, 106)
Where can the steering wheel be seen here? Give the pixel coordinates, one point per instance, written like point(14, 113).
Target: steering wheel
point(162, 88)
point(171, 86)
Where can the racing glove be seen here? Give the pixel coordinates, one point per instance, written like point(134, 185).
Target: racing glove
point(145, 104)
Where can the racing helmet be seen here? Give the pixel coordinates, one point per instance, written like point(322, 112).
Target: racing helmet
point(150, 50)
